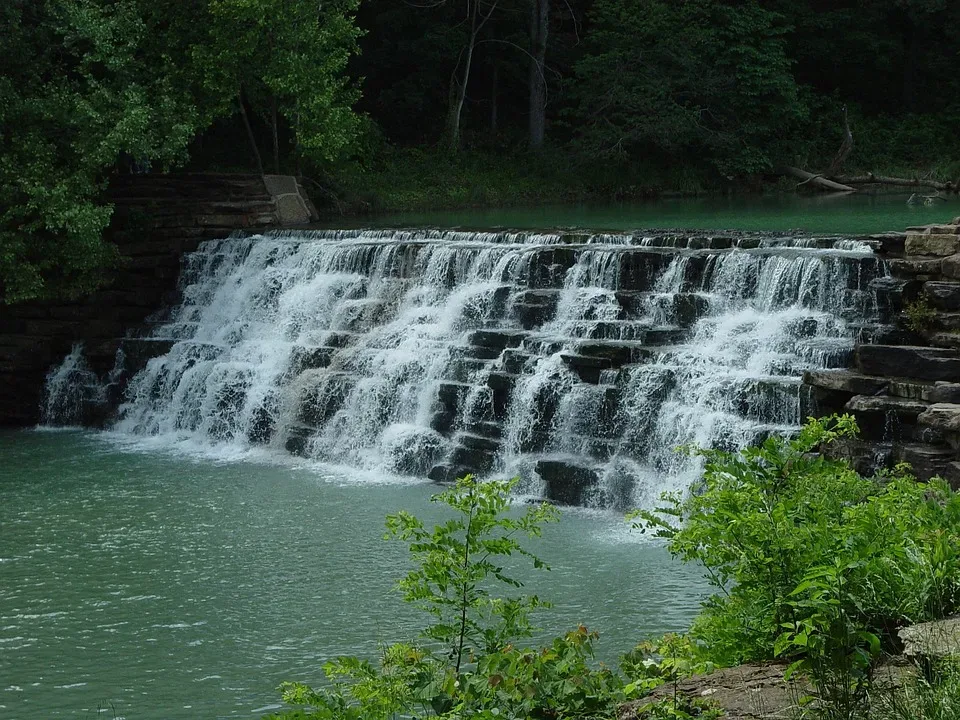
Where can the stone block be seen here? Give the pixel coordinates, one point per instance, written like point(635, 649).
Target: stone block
point(923, 363)
point(941, 244)
point(845, 381)
point(926, 461)
point(945, 340)
point(943, 295)
point(904, 407)
point(909, 389)
point(499, 339)
point(566, 483)
point(909, 268)
point(950, 267)
point(941, 393)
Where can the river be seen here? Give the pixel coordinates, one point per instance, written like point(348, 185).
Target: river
point(158, 586)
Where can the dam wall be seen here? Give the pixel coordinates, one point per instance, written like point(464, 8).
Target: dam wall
point(157, 220)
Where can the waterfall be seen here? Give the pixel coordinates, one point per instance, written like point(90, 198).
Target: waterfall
point(579, 362)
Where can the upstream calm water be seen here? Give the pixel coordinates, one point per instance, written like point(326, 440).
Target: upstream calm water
point(149, 586)
point(858, 213)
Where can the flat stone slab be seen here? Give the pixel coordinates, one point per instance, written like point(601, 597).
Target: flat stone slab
point(905, 361)
point(937, 639)
point(886, 404)
point(745, 692)
point(845, 381)
point(941, 244)
point(942, 393)
point(943, 295)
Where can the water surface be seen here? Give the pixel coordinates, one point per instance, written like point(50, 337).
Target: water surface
point(841, 214)
point(158, 586)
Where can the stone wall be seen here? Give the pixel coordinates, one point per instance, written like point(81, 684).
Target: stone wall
point(905, 389)
point(157, 218)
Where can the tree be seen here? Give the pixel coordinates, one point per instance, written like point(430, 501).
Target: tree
point(79, 90)
point(701, 79)
point(86, 85)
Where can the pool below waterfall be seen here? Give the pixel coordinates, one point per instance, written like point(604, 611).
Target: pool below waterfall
point(152, 586)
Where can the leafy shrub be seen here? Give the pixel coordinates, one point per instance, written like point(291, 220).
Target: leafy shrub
point(470, 664)
point(811, 561)
point(920, 314)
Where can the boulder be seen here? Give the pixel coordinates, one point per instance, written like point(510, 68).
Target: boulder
point(941, 244)
point(845, 381)
point(937, 639)
point(941, 393)
point(298, 439)
point(950, 267)
point(566, 483)
point(943, 295)
point(923, 363)
point(411, 450)
point(941, 416)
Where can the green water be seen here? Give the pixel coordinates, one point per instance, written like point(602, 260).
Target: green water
point(842, 214)
point(157, 586)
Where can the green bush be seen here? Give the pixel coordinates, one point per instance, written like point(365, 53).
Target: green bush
point(812, 562)
point(470, 664)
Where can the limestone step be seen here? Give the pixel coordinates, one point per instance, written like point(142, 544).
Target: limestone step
point(904, 361)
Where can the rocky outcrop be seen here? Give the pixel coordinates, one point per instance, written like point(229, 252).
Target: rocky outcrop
point(156, 220)
point(906, 395)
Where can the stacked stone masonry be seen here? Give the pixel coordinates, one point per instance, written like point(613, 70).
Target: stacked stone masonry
point(905, 391)
point(156, 220)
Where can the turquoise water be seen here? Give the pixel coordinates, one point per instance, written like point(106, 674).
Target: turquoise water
point(158, 586)
point(858, 213)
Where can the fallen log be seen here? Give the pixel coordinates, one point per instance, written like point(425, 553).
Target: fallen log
point(871, 179)
point(815, 180)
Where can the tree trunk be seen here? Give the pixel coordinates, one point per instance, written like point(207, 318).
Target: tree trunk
point(276, 136)
point(494, 89)
point(250, 137)
point(871, 179)
point(814, 180)
point(458, 93)
point(539, 21)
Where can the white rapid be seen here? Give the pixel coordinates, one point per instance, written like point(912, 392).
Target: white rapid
point(579, 362)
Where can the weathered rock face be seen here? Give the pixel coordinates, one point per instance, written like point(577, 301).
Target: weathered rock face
point(157, 218)
point(906, 396)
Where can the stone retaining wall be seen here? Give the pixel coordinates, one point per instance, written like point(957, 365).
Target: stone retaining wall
point(905, 393)
point(157, 218)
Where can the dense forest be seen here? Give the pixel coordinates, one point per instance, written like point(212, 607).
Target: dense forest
point(392, 103)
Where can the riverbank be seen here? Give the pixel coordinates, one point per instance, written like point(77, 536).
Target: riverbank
point(430, 179)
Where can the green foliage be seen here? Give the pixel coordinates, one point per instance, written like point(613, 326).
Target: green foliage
point(920, 314)
point(811, 561)
point(88, 86)
point(457, 561)
point(935, 697)
point(694, 79)
point(472, 665)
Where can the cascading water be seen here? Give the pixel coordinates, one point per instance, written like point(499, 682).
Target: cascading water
point(578, 362)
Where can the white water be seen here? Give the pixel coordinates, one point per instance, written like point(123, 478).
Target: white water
point(349, 341)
